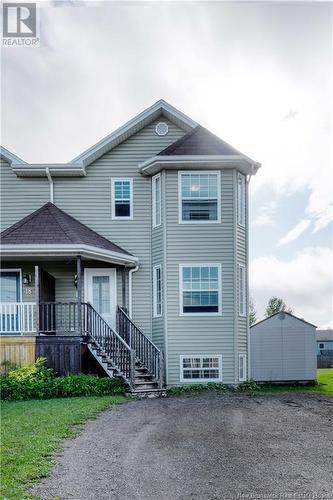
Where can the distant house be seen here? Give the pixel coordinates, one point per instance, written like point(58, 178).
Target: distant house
point(283, 348)
point(324, 340)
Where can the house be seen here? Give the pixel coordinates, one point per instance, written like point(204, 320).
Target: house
point(283, 349)
point(324, 348)
point(136, 251)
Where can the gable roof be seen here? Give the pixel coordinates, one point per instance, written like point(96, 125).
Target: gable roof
point(51, 226)
point(160, 108)
point(284, 312)
point(9, 157)
point(324, 335)
point(199, 141)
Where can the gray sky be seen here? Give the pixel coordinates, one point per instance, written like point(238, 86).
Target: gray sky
point(259, 75)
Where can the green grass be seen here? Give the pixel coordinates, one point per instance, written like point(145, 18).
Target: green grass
point(324, 385)
point(31, 431)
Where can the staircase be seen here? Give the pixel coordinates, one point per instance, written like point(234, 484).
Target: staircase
point(126, 353)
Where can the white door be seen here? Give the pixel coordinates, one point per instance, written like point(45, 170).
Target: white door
point(101, 292)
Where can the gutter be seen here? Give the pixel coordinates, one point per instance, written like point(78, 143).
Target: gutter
point(130, 293)
point(48, 175)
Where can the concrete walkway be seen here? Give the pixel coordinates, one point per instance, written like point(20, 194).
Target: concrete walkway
point(204, 447)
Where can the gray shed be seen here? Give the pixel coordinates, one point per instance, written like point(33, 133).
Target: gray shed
point(283, 348)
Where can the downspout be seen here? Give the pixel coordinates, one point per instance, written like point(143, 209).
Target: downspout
point(48, 175)
point(130, 295)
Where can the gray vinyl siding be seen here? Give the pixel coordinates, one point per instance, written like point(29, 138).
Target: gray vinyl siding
point(20, 196)
point(283, 350)
point(201, 243)
point(241, 256)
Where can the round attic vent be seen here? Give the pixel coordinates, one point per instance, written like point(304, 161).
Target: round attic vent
point(161, 128)
point(281, 316)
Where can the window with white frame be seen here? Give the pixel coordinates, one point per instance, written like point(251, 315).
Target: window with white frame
point(242, 289)
point(122, 198)
point(241, 190)
point(200, 289)
point(157, 291)
point(201, 368)
point(242, 367)
point(156, 200)
point(199, 197)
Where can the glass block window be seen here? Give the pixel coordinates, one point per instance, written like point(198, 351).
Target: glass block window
point(157, 290)
point(122, 196)
point(156, 200)
point(242, 368)
point(200, 368)
point(200, 289)
point(199, 197)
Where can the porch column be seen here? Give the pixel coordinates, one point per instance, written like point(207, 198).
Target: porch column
point(123, 288)
point(79, 294)
point(37, 297)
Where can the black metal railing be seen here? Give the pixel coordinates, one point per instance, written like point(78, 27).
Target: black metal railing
point(116, 350)
point(146, 351)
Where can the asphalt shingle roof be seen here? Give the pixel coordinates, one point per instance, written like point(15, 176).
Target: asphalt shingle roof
point(322, 335)
point(50, 225)
point(199, 141)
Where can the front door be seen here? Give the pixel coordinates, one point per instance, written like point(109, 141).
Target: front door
point(10, 297)
point(100, 291)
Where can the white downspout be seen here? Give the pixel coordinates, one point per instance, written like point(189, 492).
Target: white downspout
point(48, 175)
point(130, 295)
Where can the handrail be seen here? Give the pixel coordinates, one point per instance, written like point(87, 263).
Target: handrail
point(116, 350)
point(147, 353)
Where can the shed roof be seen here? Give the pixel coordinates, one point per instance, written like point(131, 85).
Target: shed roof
point(285, 312)
point(51, 225)
point(324, 335)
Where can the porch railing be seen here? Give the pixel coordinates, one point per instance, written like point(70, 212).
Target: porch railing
point(17, 318)
point(59, 318)
point(145, 350)
point(113, 346)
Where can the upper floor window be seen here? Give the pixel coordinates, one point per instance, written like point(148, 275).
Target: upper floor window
point(156, 200)
point(157, 291)
point(200, 289)
point(241, 184)
point(122, 199)
point(242, 289)
point(199, 197)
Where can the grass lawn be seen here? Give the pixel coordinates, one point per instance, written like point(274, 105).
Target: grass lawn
point(324, 384)
point(31, 431)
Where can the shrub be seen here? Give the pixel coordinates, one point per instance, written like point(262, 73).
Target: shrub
point(38, 382)
point(248, 386)
point(190, 388)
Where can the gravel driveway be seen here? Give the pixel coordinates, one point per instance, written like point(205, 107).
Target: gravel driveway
point(207, 447)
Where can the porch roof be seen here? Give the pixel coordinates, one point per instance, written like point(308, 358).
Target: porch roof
point(52, 232)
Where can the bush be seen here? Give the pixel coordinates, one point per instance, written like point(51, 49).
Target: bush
point(38, 382)
point(190, 388)
point(249, 386)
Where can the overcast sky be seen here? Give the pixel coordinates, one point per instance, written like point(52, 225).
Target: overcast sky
point(259, 75)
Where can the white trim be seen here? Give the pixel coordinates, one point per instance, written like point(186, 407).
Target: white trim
point(156, 163)
point(87, 251)
point(242, 358)
point(241, 199)
point(180, 199)
point(201, 356)
point(56, 169)
point(242, 290)
point(9, 157)
point(153, 201)
point(16, 270)
point(132, 126)
point(130, 290)
point(200, 264)
point(113, 209)
point(155, 313)
point(102, 271)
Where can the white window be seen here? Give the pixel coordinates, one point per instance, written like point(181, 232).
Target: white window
point(157, 290)
point(156, 200)
point(199, 197)
point(242, 289)
point(202, 368)
point(242, 367)
point(200, 289)
point(122, 198)
point(241, 189)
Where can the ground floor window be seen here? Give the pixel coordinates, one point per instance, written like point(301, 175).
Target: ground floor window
point(200, 289)
point(201, 368)
point(242, 368)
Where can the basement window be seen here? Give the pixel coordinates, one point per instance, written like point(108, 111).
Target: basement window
point(122, 198)
point(200, 368)
point(242, 367)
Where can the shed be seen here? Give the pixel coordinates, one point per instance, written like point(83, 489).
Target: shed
point(283, 348)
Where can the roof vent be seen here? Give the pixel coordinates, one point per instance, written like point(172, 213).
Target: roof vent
point(161, 128)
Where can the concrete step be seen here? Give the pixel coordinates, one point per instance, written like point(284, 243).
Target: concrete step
point(148, 393)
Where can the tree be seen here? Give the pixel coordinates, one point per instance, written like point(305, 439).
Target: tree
point(275, 305)
point(252, 312)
